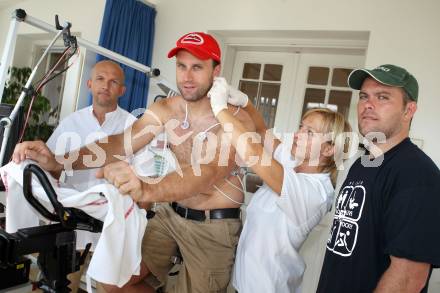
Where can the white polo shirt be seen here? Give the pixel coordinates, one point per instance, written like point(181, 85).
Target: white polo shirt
point(81, 128)
point(276, 226)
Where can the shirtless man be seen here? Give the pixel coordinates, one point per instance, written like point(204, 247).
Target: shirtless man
point(202, 218)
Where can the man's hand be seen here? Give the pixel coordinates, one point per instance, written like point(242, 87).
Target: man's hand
point(218, 94)
point(237, 98)
point(123, 177)
point(39, 152)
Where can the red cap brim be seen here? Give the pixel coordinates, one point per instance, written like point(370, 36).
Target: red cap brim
point(194, 50)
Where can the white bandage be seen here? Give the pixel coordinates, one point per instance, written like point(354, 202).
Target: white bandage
point(218, 94)
point(237, 98)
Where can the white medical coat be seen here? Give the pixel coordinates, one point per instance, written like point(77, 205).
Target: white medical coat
point(276, 226)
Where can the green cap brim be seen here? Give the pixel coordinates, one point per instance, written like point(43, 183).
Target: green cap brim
point(357, 77)
point(389, 75)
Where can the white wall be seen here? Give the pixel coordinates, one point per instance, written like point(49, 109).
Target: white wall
point(403, 32)
point(22, 49)
point(86, 19)
point(85, 16)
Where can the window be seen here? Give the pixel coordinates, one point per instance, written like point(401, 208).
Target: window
point(262, 83)
point(327, 87)
point(54, 89)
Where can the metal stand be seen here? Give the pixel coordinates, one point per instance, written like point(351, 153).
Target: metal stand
point(7, 121)
point(20, 15)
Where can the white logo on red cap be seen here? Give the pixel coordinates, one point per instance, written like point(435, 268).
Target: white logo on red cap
point(195, 39)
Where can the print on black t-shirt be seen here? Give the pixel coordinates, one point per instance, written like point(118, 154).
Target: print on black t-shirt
point(384, 211)
point(344, 231)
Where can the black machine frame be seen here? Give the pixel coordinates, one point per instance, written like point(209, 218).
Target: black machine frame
point(55, 243)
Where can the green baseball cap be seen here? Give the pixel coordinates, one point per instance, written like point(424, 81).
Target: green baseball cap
point(387, 74)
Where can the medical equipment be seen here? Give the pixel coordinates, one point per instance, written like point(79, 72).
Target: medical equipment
point(15, 129)
point(185, 123)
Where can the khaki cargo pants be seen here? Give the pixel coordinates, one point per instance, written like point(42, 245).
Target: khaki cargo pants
point(207, 249)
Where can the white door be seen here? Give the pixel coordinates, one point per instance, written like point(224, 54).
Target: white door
point(284, 85)
point(267, 79)
point(322, 82)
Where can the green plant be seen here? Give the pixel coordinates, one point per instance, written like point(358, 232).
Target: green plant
point(37, 127)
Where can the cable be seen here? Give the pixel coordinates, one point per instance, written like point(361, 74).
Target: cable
point(236, 111)
point(64, 69)
point(233, 185)
point(44, 80)
point(242, 184)
point(227, 196)
point(203, 134)
point(185, 123)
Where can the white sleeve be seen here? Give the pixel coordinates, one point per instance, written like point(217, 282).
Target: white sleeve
point(283, 155)
point(64, 127)
point(277, 154)
point(304, 198)
point(129, 120)
point(52, 140)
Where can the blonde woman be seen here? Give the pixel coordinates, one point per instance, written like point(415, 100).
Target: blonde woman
point(298, 191)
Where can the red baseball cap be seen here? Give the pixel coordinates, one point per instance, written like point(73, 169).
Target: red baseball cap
point(201, 45)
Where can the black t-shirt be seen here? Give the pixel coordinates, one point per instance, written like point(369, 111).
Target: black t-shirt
point(392, 209)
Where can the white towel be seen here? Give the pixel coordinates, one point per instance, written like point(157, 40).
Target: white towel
point(117, 255)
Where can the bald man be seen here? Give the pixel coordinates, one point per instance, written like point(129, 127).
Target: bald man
point(104, 117)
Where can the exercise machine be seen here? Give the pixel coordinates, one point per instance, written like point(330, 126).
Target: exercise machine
point(55, 243)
